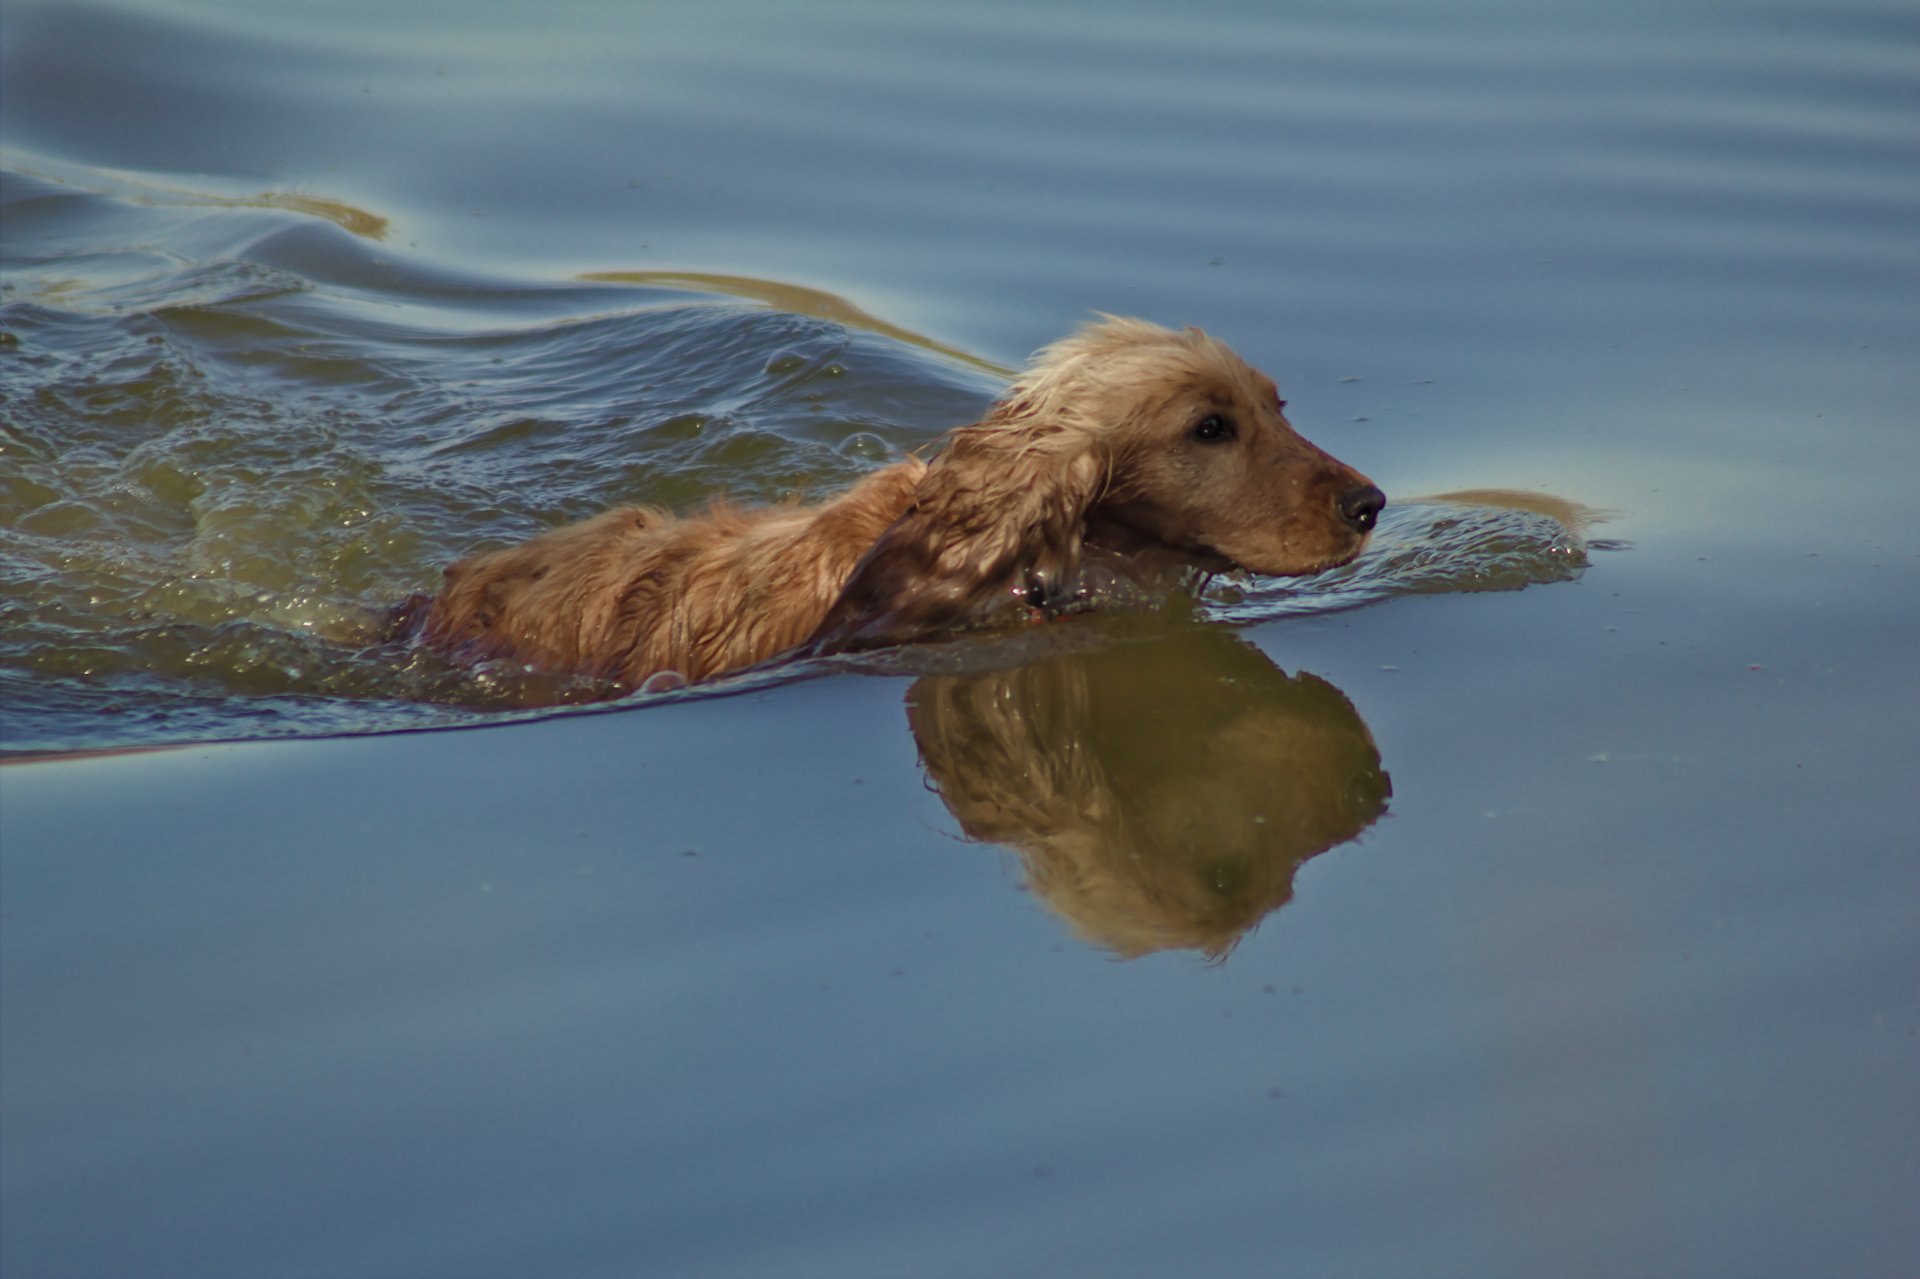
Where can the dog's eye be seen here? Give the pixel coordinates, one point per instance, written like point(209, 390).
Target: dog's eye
point(1213, 428)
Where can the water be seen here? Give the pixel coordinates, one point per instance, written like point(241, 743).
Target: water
point(221, 474)
point(1476, 930)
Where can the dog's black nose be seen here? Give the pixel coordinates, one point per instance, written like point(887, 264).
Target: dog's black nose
point(1361, 507)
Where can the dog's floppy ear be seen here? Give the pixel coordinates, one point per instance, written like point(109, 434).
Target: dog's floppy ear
point(1000, 515)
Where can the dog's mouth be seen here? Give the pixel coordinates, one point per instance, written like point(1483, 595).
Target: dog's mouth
point(1209, 560)
point(1137, 544)
point(1286, 566)
point(1347, 557)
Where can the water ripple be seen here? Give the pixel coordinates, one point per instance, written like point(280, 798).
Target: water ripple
point(219, 469)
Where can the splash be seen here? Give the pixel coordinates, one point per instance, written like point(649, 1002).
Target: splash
point(1482, 540)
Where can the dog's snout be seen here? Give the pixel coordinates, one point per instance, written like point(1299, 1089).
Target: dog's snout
point(1361, 507)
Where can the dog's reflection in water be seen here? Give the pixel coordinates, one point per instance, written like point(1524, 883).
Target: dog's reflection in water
point(1160, 795)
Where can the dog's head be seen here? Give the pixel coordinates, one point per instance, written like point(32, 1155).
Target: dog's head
point(1199, 456)
point(1127, 438)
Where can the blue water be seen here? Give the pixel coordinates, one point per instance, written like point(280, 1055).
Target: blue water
point(1579, 933)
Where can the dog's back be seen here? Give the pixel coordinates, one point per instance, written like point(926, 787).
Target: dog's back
point(635, 591)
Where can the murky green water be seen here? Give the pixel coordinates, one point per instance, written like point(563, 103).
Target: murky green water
point(1476, 930)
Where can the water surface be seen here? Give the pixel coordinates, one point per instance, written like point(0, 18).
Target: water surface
point(1474, 930)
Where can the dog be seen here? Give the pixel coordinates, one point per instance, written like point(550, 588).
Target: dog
point(1127, 450)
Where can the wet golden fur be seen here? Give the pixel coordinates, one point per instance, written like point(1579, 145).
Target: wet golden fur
point(1126, 443)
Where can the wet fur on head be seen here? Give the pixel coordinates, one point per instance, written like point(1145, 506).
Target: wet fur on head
point(1126, 442)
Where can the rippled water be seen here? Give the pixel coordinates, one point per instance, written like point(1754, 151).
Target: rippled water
point(1470, 930)
point(215, 491)
point(240, 430)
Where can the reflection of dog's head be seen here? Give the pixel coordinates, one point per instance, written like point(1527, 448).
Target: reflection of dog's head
point(1159, 795)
